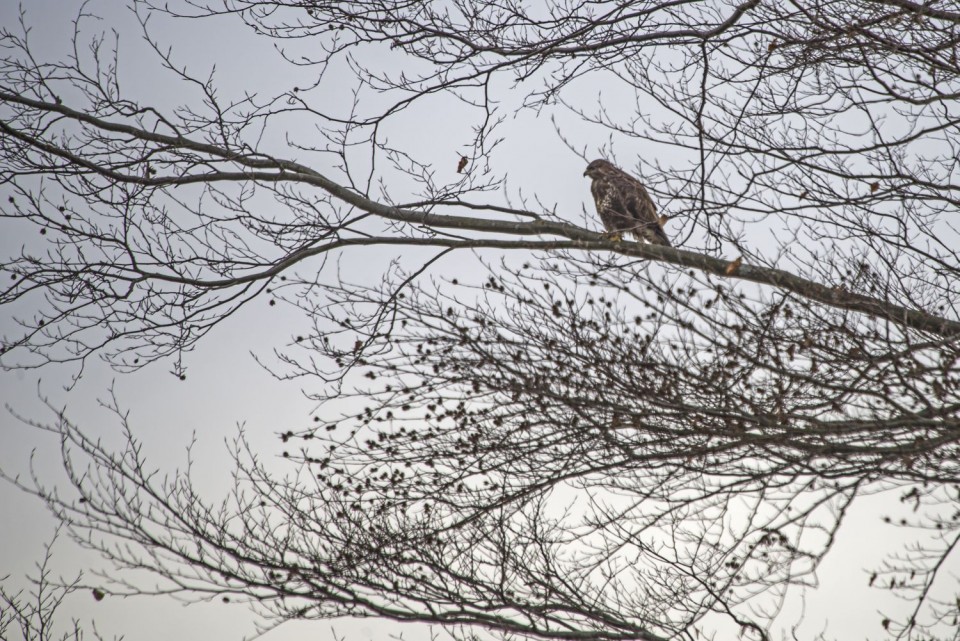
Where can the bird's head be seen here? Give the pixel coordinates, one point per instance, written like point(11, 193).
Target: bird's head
point(596, 168)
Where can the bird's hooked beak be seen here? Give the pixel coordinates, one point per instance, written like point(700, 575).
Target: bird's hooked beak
point(586, 171)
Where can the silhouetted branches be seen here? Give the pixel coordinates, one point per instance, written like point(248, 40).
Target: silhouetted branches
point(33, 615)
point(559, 436)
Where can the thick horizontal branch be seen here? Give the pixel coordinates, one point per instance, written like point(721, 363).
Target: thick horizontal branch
point(266, 169)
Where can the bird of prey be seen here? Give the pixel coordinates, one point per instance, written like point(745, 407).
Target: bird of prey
point(624, 204)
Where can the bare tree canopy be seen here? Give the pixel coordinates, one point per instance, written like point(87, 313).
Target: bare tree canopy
point(572, 437)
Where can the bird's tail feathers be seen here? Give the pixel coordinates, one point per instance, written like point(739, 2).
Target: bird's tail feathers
point(653, 233)
point(662, 236)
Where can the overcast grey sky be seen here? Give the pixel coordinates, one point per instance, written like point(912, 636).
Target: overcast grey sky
point(225, 386)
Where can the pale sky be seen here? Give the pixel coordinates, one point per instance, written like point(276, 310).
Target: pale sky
point(225, 386)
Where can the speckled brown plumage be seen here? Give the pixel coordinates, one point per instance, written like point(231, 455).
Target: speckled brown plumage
point(623, 203)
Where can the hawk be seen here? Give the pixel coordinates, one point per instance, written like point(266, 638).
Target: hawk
point(624, 204)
